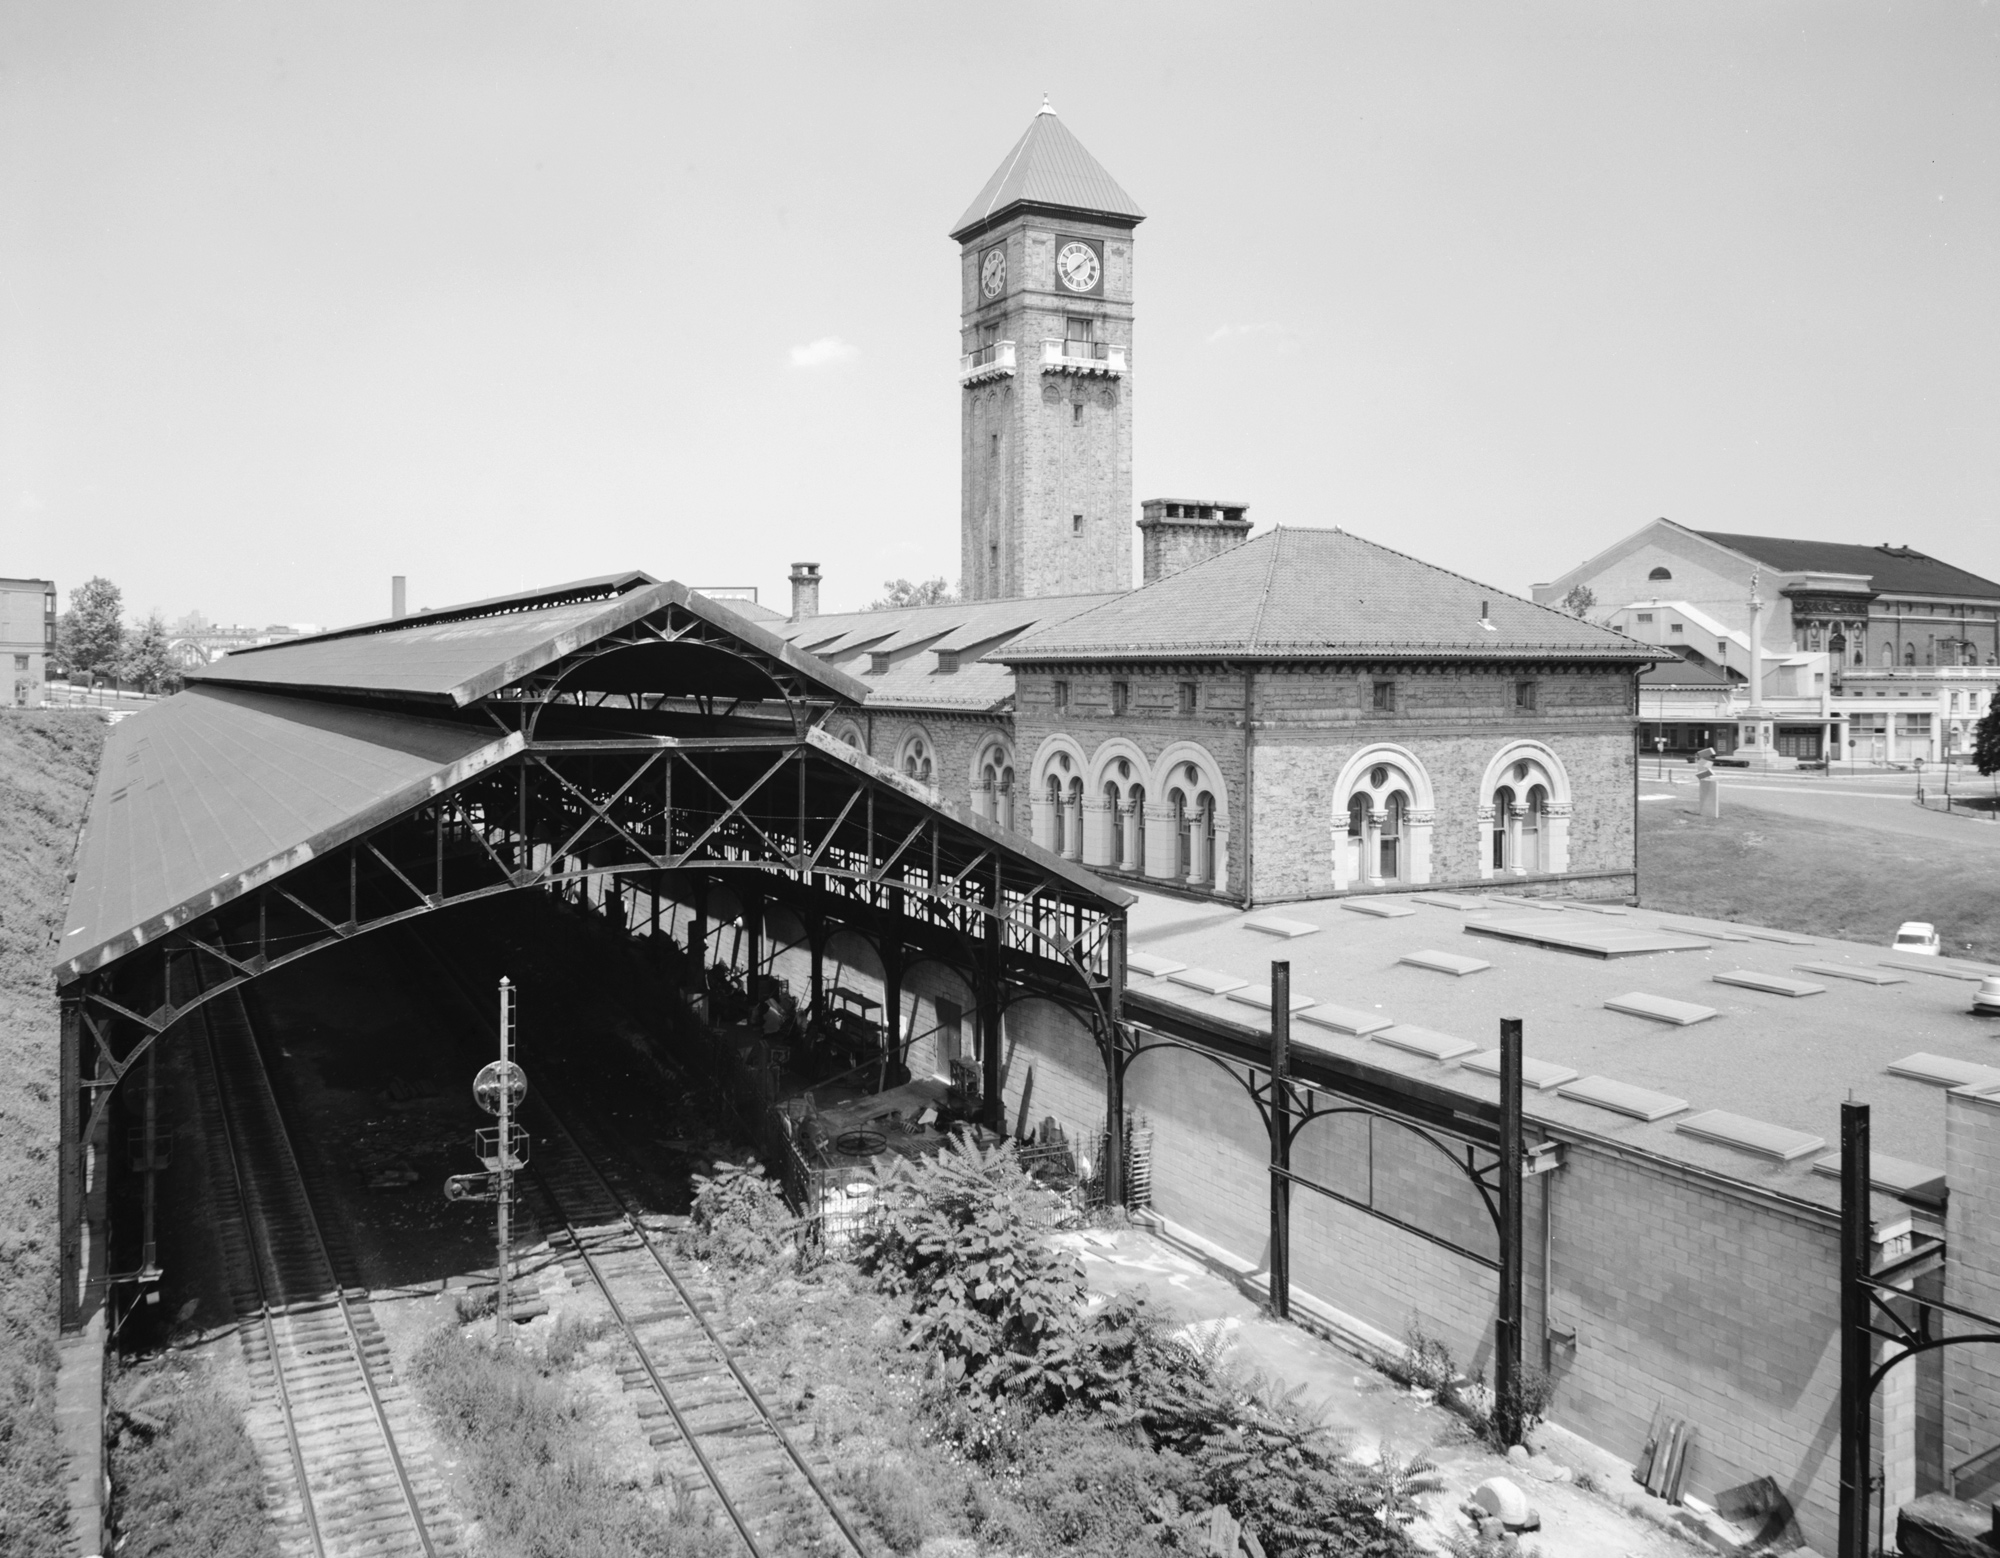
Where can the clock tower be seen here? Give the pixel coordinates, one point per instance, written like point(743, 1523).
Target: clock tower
point(1045, 373)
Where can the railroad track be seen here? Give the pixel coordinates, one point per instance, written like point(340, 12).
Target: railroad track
point(712, 1427)
point(330, 1422)
point(710, 1424)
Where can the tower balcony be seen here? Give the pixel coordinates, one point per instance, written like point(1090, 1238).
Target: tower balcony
point(1087, 357)
point(992, 361)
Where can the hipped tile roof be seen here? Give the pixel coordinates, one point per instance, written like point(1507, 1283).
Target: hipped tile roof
point(1320, 594)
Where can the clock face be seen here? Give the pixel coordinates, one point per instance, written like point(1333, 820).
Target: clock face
point(993, 272)
point(1078, 266)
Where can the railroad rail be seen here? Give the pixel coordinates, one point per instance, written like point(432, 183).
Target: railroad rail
point(719, 1438)
point(343, 1485)
point(712, 1427)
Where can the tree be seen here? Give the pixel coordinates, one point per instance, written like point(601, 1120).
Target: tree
point(1580, 601)
point(931, 592)
point(147, 660)
point(90, 636)
point(1986, 741)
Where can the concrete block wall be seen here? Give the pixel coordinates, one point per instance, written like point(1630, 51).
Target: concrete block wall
point(1972, 1272)
point(1724, 1307)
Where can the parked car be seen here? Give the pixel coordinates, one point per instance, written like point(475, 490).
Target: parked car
point(1918, 936)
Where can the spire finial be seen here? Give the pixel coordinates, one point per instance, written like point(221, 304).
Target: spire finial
point(1046, 108)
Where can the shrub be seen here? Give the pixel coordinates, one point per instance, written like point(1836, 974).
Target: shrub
point(739, 1217)
point(526, 1443)
point(184, 1476)
point(1425, 1362)
point(996, 1305)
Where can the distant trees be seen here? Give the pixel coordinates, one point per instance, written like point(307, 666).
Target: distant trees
point(1581, 601)
point(90, 636)
point(901, 593)
point(147, 660)
point(93, 643)
point(1986, 741)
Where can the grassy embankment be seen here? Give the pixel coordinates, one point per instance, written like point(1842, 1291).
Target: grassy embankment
point(48, 763)
point(1822, 878)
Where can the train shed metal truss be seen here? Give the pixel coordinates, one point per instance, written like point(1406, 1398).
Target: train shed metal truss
point(620, 728)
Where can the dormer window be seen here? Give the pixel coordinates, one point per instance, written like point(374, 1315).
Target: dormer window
point(1658, 574)
point(947, 661)
point(878, 662)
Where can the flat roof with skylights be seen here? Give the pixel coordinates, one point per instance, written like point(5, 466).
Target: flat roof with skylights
point(1726, 1047)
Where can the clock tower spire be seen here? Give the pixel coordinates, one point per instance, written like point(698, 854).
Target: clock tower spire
point(1045, 373)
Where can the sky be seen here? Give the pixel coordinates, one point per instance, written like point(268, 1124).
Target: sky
point(297, 297)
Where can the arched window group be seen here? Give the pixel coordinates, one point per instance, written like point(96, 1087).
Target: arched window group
point(1191, 804)
point(918, 763)
point(1385, 811)
point(993, 796)
point(1525, 818)
point(1385, 819)
point(1164, 818)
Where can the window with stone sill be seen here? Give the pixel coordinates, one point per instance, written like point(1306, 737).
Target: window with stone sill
point(1059, 693)
point(1121, 697)
point(1383, 699)
point(1187, 695)
point(1524, 695)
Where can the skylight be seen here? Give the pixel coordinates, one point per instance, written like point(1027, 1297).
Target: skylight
point(1735, 1130)
point(1422, 1041)
point(1770, 984)
point(1344, 1019)
point(1622, 1098)
point(1376, 907)
point(1636, 1003)
point(1444, 962)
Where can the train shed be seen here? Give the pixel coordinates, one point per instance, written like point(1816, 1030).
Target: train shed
point(623, 734)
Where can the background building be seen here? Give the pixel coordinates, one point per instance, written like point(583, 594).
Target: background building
point(27, 638)
point(1866, 654)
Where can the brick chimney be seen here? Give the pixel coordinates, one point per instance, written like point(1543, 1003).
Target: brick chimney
point(1180, 532)
point(805, 591)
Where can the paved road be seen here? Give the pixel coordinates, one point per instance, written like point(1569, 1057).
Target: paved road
point(1881, 802)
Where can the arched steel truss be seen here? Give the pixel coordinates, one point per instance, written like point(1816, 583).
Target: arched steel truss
point(817, 827)
point(1298, 1103)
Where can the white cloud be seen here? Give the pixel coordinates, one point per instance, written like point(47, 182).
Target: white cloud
point(1238, 332)
point(827, 349)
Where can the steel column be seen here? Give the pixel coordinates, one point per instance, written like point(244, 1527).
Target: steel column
point(1280, 1116)
point(1507, 1333)
point(69, 1159)
point(990, 975)
point(1856, 1342)
point(1114, 1071)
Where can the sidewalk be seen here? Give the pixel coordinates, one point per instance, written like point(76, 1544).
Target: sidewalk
point(1373, 1414)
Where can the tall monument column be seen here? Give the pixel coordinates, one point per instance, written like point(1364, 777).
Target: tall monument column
point(1754, 728)
point(1045, 373)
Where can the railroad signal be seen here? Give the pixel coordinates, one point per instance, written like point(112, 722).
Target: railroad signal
point(498, 1077)
point(500, 1088)
point(469, 1187)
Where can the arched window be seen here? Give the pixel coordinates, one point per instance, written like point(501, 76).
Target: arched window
point(917, 760)
point(1357, 816)
point(1056, 810)
point(1201, 847)
point(1178, 802)
point(1135, 828)
point(1532, 857)
point(1660, 573)
point(1503, 811)
point(1114, 814)
point(1909, 654)
point(1888, 655)
point(1392, 836)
